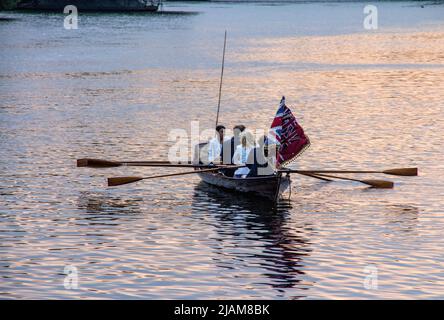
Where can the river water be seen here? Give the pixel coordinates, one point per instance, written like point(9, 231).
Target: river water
point(116, 86)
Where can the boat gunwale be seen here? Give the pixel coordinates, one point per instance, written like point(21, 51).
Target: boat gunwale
point(222, 176)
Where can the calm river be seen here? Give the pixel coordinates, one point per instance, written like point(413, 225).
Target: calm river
point(116, 86)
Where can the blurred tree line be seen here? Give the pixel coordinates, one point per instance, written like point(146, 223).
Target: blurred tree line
point(12, 4)
point(8, 4)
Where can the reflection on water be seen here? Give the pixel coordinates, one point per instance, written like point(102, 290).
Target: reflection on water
point(117, 85)
point(403, 218)
point(242, 222)
point(98, 203)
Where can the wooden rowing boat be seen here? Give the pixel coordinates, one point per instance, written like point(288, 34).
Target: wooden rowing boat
point(269, 187)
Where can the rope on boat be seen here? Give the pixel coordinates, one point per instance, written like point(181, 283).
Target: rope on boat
point(289, 187)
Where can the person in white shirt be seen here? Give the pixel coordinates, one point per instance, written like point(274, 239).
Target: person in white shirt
point(215, 148)
point(241, 154)
point(231, 144)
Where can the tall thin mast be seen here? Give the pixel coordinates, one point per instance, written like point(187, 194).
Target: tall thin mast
point(221, 77)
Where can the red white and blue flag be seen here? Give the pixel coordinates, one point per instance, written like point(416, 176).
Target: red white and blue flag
point(288, 135)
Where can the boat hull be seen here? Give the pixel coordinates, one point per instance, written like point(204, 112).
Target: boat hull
point(270, 187)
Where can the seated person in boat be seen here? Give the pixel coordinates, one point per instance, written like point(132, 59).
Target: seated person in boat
point(231, 144)
point(241, 154)
point(261, 159)
point(215, 148)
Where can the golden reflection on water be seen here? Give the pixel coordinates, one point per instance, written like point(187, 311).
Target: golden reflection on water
point(425, 48)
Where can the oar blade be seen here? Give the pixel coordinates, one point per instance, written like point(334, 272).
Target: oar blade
point(97, 163)
point(384, 184)
point(402, 172)
point(117, 181)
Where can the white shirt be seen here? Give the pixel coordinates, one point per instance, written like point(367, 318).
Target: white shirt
point(240, 157)
point(215, 148)
point(241, 154)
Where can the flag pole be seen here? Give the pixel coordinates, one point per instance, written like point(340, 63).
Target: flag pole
point(221, 77)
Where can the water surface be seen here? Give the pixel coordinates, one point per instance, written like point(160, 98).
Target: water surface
point(115, 87)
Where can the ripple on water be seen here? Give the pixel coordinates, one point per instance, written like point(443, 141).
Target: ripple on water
point(367, 100)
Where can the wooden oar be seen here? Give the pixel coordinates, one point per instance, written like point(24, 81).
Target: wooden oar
point(395, 172)
point(315, 176)
point(371, 182)
point(117, 181)
point(98, 163)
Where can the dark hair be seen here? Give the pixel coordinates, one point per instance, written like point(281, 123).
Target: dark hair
point(241, 127)
point(219, 127)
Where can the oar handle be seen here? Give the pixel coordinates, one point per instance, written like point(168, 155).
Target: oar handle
point(315, 176)
point(166, 165)
point(184, 173)
point(336, 177)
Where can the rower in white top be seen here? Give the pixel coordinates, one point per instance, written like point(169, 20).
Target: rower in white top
point(215, 148)
point(241, 154)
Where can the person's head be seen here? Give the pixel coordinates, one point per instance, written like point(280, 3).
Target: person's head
point(238, 129)
point(247, 139)
point(220, 131)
